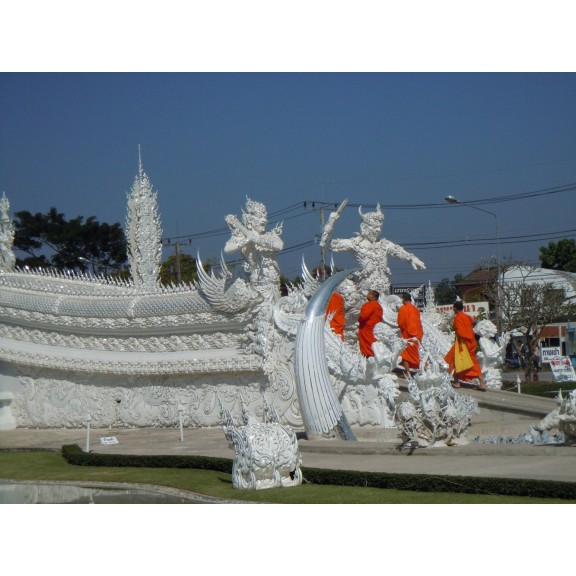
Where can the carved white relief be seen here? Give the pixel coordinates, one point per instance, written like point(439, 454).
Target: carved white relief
point(139, 401)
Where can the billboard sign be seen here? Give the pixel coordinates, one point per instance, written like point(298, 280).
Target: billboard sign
point(473, 309)
point(547, 354)
point(562, 369)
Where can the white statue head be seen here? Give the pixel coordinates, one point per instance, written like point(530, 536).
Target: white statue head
point(255, 217)
point(346, 288)
point(485, 329)
point(371, 223)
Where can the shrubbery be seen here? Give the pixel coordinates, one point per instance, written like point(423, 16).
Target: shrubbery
point(415, 482)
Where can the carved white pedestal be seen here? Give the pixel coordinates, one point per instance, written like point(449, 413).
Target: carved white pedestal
point(7, 421)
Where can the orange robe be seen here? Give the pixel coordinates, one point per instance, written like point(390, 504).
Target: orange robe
point(336, 306)
point(464, 329)
point(370, 315)
point(410, 327)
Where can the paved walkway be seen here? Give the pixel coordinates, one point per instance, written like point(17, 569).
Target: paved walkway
point(504, 461)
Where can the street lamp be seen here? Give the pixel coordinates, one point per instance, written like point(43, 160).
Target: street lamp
point(452, 200)
point(82, 259)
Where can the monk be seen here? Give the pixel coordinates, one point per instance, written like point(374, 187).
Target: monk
point(336, 307)
point(370, 314)
point(464, 330)
point(411, 329)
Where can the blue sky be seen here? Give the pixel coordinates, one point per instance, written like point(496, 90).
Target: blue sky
point(70, 140)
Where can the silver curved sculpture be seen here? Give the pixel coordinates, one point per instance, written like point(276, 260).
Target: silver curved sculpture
point(321, 411)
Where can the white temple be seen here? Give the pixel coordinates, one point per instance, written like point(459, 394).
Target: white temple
point(74, 347)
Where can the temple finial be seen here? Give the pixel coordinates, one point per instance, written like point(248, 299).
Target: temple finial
point(140, 169)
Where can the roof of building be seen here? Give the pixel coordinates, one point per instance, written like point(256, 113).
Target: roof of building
point(479, 276)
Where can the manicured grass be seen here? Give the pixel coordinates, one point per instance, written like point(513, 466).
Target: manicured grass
point(541, 388)
point(52, 466)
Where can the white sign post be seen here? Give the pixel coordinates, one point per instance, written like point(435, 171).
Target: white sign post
point(562, 369)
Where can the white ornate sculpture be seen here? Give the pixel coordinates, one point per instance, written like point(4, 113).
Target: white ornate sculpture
point(321, 410)
point(492, 353)
point(7, 257)
point(562, 418)
point(135, 353)
point(435, 412)
point(258, 247)
point(266, 453)
point(143, 233)
point(371, 253)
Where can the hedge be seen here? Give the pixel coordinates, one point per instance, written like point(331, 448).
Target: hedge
point(414, 482)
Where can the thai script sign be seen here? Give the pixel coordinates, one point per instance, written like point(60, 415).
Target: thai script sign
point(550, 352)
point(399, 290)
point(473, 309)
point(562, 369)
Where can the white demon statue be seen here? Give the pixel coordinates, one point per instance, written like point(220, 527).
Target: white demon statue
point(370, 251)
point(266, 453)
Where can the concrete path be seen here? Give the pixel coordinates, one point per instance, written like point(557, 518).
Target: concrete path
point(504, 461)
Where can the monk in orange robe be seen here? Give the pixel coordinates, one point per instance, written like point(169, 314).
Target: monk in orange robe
point(464, 330)
point(411, 329)
point(370, 314)
point(336, 307)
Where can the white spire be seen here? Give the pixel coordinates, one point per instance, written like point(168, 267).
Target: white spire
point(143, 231)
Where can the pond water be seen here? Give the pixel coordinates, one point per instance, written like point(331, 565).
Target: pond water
point(24, 493)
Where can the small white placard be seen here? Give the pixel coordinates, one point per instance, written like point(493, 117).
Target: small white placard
point(562, 369)
point(108, 440)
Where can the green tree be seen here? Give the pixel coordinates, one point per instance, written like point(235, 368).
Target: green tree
point(559, 255)
point(181, 266)
point(527, 306)
point(51, 240)
point(446, 290)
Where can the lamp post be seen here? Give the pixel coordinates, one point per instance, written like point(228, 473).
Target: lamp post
point(85, 260)
point(452, 200)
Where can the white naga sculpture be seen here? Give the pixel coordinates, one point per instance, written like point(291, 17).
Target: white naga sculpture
point(370, 251)
point(266, 453)
point(491, 353)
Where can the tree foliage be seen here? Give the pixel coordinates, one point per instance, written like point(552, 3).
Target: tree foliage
point(527, 306)
point(559, 255)
point(447, 290)
point(182, 268)
point(52, 240)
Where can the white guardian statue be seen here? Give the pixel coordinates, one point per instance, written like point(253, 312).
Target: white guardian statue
point(370, 251)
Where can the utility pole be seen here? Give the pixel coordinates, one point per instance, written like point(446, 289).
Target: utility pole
point(177, 255)
point(320, 209)
point(322, 249)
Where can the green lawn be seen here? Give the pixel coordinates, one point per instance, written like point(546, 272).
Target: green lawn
point(52, 466)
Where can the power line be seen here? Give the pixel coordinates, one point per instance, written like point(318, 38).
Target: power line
point(305, 205)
